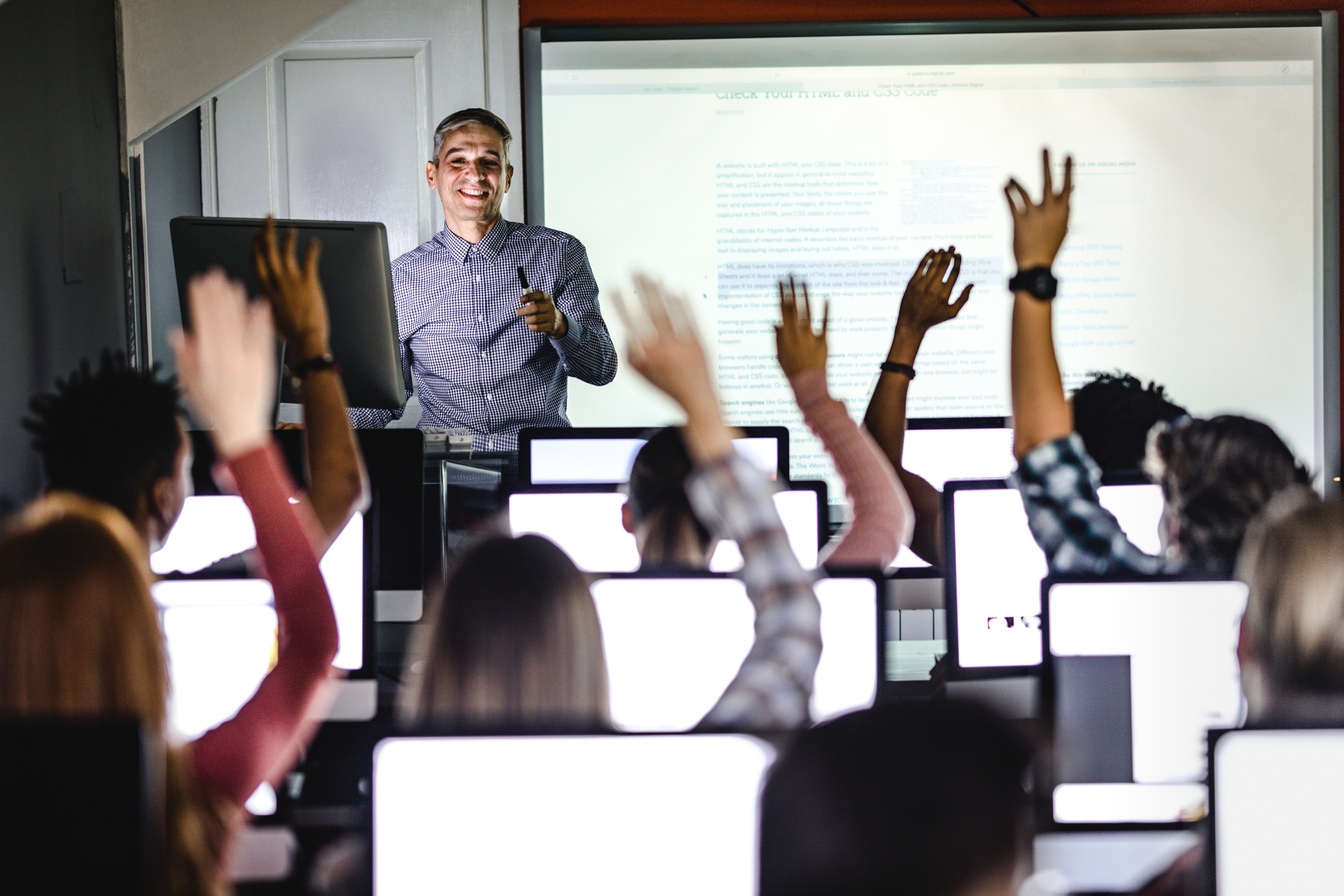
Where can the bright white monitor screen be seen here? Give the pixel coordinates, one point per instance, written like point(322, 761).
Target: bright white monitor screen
point(608, 461)
point(600, 815)
point(998, 568)
point(220, 633)
point(674, 645)
point(1277, 825)
point(587, 526)
point(908, 141)
point(1142, 671)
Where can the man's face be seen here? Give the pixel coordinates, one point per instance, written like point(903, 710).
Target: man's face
point(471, 179)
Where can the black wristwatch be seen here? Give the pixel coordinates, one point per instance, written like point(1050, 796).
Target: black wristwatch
point(1039, 283)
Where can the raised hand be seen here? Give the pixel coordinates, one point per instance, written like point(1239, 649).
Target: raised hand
point(1039, 228)
point(927, 299)
point(665, 349)
point(797, 345)
point(227, 363)
point(294, 291)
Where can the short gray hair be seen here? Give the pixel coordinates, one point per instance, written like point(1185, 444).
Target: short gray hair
point(461, 119)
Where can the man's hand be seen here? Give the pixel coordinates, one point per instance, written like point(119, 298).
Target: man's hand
point(926, 301)
point(798, 347)
point(665, 350)
point(294, 290)
point(227, 363)
point(1039, 228)
point(538, 309)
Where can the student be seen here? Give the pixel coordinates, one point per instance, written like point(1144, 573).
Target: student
point(513, 639)
point(1216, 474)
point(113, 433)
point(81, 631)
point(1112, 412)
point(917, 798)
point(658, 515)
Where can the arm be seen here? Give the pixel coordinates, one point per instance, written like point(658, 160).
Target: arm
point(338, 482)
point(774, 685)
point(228, 374)
point(573, 319)
point(1040, 410)
point(882, 512)
point(924, 305)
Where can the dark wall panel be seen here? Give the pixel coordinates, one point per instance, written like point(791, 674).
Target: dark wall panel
point(62, 225)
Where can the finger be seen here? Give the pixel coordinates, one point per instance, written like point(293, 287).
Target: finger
point(623, 314)
point(1068, 177)
point(263, 250)
point(1048, 191)
point(1018, 200)
point(310, 257)
point(956, 271)
point(288, 257)
point(807, 308)
point(961, 301)
point(825, 318)
point(926, 263)
point(784, 305)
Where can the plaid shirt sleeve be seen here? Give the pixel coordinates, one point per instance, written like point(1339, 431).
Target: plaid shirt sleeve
point(773, 687)
point(1058, 482)
point(586, 350)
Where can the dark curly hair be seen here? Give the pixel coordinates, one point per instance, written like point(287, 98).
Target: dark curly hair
point(1113, 412)
point(109, 433)
point(1217, 474)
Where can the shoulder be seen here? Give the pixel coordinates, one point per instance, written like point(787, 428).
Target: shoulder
point(427, 253)
point(541, 236)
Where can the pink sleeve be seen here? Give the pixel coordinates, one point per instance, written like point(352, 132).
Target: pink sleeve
point(882, 513)
point(262, 741)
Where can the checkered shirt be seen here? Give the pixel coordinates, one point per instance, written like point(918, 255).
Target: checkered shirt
point(773, 686)
point(476, 363)
point(1058, 482)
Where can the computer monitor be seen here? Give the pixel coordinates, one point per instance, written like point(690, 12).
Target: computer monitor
point(993, 569)
point(941, 449)
point(603, 455)
point(673, 644)
point(221, 632)
point(599, 814)
point(586, 522)
point(1138, 672)
point(1275, 802)
point(356, 278)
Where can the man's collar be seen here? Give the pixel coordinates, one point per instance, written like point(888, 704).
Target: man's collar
point(487, 249)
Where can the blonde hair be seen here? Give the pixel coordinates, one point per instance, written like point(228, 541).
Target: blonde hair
point(511, 640)
point(82, 639)
point(1293, 565)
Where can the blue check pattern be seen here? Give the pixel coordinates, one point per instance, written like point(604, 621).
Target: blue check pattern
point(475, 362)
point(1058, 481)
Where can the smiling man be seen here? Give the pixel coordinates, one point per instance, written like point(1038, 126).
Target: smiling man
point(493, 315)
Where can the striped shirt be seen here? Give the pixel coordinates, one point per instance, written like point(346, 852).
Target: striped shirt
point(475, 362)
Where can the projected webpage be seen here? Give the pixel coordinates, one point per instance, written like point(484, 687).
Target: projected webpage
point(722, 177)
point(1143, 670)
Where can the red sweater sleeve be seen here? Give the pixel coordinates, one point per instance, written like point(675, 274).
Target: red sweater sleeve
point(261, 742)
point(882, 514)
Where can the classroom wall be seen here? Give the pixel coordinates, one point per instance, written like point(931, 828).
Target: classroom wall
point(63, 172)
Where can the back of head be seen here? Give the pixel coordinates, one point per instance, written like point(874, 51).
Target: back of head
point(667, 529)
point(80, 630)
point(512, 640)
point(1293, 564)
point(1113, 412)
point(1217, 474)
point(108, 434)
point(924, 799)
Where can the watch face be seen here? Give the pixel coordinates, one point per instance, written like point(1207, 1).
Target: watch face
point(1039, 282)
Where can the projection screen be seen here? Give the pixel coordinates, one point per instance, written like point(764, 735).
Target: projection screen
point(1202, 251)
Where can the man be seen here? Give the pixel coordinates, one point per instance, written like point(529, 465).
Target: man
point(492, 315)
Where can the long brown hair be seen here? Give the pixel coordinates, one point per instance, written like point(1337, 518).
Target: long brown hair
point(82, 638)
point(511, 640)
